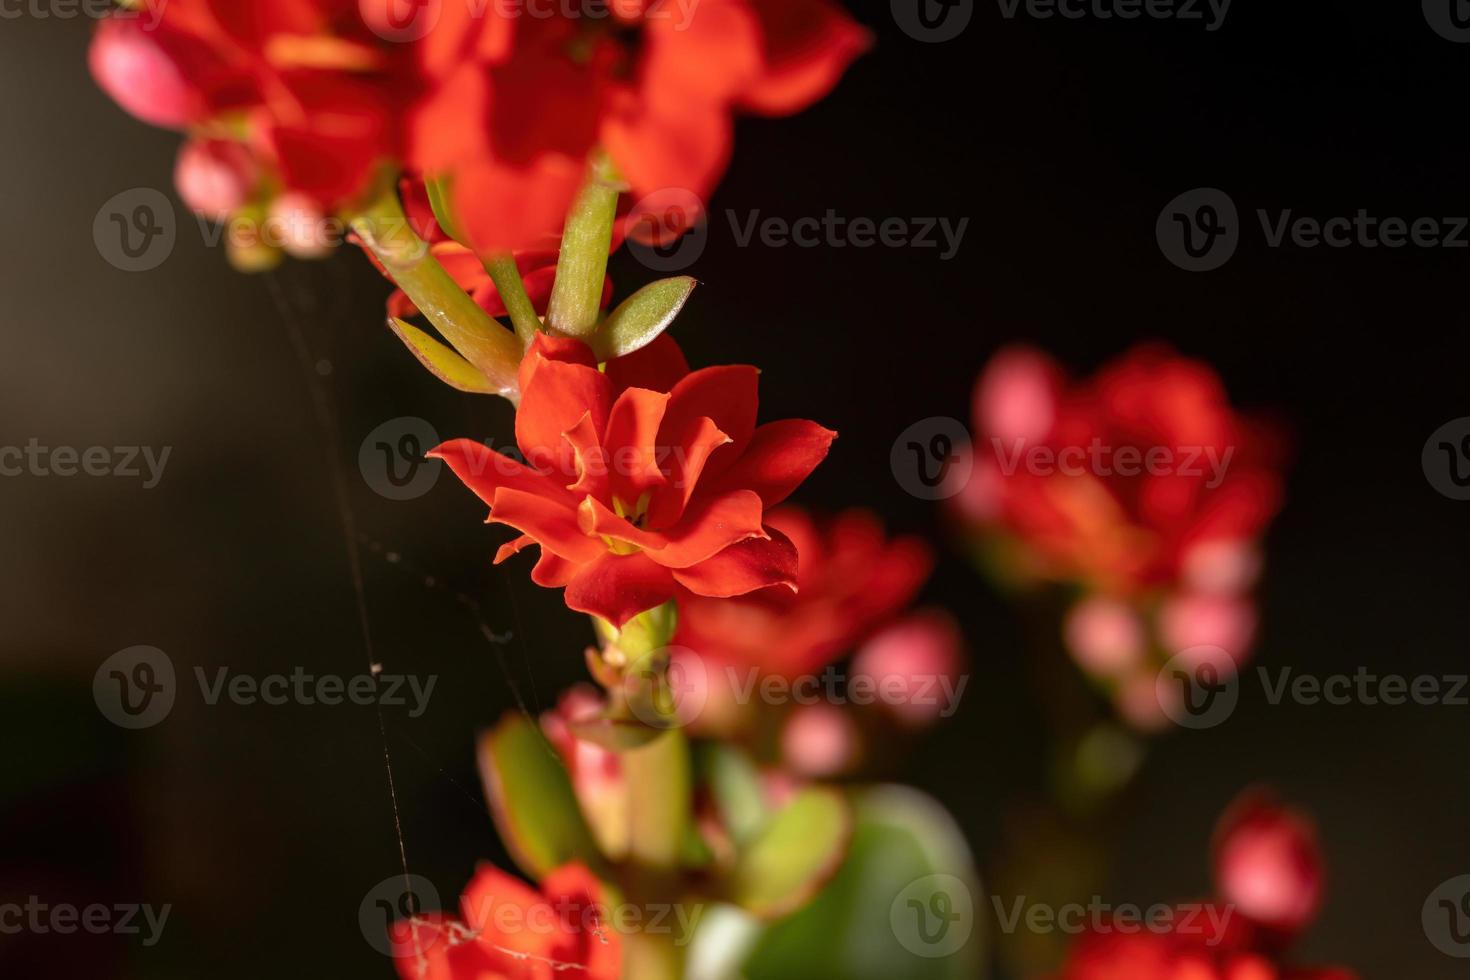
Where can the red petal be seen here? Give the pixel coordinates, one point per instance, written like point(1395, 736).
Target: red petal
point(632, 443)
point(596, 519)
point(511, 548)
point(807, 48)
point(744, 567)
point(549, 348)
point(593, 943)
point(550, 522)
point(552, 572)
point(691, 451)
point(619, 587)
point(779, 457)
point(686, 150)
point(554, 401)
point(590, 459)
point(658, 366)
point(728, 396)
point(482, 905)
point(501, 207)
point(710, 526)
point(484, 471)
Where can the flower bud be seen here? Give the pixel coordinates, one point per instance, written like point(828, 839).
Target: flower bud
point(215, 177)
point(1268, 863)
point(1188, 621)
point(144, 73)
point(819, 740)
point(912, 665)
point(298, 224)
point(1106, 637)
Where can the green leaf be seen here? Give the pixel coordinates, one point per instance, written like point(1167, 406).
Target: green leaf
point(907, 858)
point(639, 319)
point(532, 800)
point(734, 784)
point(794, 854)
point(439, 196)
point(442, 362)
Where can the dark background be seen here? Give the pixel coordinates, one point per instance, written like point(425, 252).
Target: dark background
point(1059, 140)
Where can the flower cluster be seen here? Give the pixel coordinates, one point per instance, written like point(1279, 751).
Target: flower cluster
point(1140, 486)
point(1268, 874)
point(293, 108)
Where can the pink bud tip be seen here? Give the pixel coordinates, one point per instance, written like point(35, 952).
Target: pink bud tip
point(215, 177)
point(819, 740)
point(1106, 636)
point(1268, 863)
point(134, 66)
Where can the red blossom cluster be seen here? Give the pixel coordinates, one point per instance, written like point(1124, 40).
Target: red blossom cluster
point(1142, 487)
point(296, 105)
point(1268, 875)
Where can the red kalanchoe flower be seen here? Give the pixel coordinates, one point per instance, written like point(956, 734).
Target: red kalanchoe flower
point(643, 480)
point(1066, 470)
point(852, 579)
point(655, 86)
point(1116, 955)
point(1268, 863)
point(510, 931)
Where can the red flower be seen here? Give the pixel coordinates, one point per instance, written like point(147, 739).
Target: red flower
point(655, 86)
point(1115, 955)
point(851, 577)
point(1125, 482)
point(642, 480)
point(512, 932)
point(1268, 863)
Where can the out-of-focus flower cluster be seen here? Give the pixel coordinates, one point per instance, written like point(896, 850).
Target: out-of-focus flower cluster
point(1268, 880)
point(1142, 489)
point(294, 107)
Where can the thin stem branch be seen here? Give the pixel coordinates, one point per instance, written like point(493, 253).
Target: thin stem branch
point(487, 345)
point(512, 290)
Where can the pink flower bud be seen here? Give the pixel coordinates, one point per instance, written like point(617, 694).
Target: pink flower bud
point(298, 224)
point(143, 72)
point(1268, 863)
point(1106, 636)
point(1222, 567)
point(819, 740)
point(1016, 397)
point(1187, 621)
point(215, 177)
point(914, 666)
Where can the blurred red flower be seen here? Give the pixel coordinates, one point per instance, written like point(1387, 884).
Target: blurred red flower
point(511, 931)
point(851, 578)
point(1127, 481)
point(642, 480)
point(1268, 863)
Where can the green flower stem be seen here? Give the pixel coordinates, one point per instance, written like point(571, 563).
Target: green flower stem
point(487, 345)
point(576, 297)
point(512, 290)
point(660, 795)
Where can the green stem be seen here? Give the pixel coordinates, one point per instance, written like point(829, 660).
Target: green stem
point(487, 345)
point(512, 290)
point(576, 297)
point(660, 799)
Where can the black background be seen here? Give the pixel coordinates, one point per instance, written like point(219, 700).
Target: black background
point(1060, 141)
